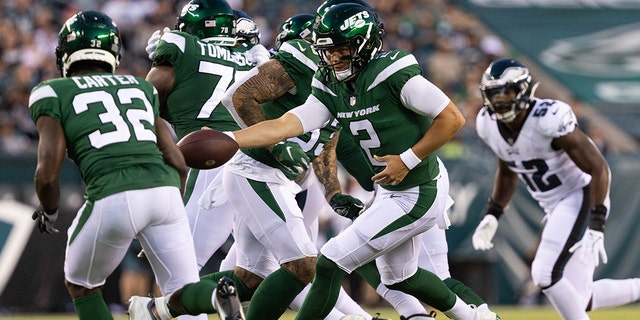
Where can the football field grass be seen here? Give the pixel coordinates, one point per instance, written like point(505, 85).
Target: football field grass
point(506, 313)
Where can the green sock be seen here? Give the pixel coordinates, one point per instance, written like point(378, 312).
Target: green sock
point(92, 307)
point(196, 298)
point(465, 293)
point(324, 290)
point(428, 288)
point(274, 295)
point(244, 293)
point(369, 272)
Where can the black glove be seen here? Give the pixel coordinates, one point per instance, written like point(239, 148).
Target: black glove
point(45, 221)
point(346, 205)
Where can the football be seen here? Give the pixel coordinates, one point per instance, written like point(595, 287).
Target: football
point(207, 149)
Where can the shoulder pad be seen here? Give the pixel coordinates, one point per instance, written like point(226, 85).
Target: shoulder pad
point(556, 118)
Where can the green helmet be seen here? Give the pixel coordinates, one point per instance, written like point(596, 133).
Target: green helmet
point(209, 20)
point(324, 7)
point(347, 25)
point(299, 26)
point(88, 36)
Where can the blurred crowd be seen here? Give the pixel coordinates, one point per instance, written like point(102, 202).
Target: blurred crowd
point(450, 44)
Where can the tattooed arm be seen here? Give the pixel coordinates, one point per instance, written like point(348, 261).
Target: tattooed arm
point(326, 168)
point(264, 83)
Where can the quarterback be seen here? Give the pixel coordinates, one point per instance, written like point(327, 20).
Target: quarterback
point(398, 120)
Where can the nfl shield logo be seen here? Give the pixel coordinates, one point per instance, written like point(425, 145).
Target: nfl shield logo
point(352, 101)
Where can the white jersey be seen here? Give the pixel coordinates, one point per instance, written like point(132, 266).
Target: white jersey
point(549, 174)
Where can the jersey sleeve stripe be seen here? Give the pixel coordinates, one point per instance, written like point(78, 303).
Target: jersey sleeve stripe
point(41, 93)
point(319, 85)
point(176, 39)
point(297, 53)
point(393, 68)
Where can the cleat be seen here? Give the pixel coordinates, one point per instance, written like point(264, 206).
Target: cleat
point(486, 315)
point(226, 300)
point(420, 316)
point(377, 317)
point(141, 308)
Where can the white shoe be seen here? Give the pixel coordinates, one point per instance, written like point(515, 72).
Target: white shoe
point(141, 308)
point(353, 317)
point(486, 315)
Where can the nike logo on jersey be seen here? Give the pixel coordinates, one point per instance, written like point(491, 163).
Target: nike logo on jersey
point(393, 57)
point(301, 48)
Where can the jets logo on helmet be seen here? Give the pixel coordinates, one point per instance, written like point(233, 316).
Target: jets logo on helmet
point(298, 26)
point(324, 7)
point(347, 26)
point(212, 21)
point(355, 21)
point(89, 37)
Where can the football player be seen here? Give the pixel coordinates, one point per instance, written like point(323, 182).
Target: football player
point(110, 127)
point(295, 62)
point(538, 141)
point(398, 120)
point(193, 65)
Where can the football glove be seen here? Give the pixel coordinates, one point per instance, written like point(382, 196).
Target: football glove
point(291, 155)
point(591, 247)
point(45, 221)
point(152, 43)
point(258, 54)
point(486, 230)
point(346, 205)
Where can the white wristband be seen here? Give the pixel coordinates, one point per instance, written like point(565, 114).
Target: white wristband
point(410, 159)
point(230, 134)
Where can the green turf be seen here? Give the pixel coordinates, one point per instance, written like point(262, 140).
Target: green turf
point(506, 313)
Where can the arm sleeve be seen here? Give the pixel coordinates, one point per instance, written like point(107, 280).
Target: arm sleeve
point(423, 97)
point(312, 114)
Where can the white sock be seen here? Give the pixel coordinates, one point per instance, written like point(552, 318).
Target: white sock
point(299, 299)
point(346, 305)
point(566, 300)
point(460, 311)
point(405, 304)
point(612, 293)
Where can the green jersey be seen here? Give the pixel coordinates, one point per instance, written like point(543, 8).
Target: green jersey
point(109, 127)
point(372, 112)
point(203, 72)
point(300, 61)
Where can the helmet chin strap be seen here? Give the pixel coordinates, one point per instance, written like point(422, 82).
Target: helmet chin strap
point(344, 74)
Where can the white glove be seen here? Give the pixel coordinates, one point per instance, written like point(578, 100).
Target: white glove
point(258, 55)
point(484, 233)
point(592, 247)
point(152, 43)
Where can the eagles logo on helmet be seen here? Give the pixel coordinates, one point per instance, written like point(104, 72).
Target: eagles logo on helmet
point(502, 76)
